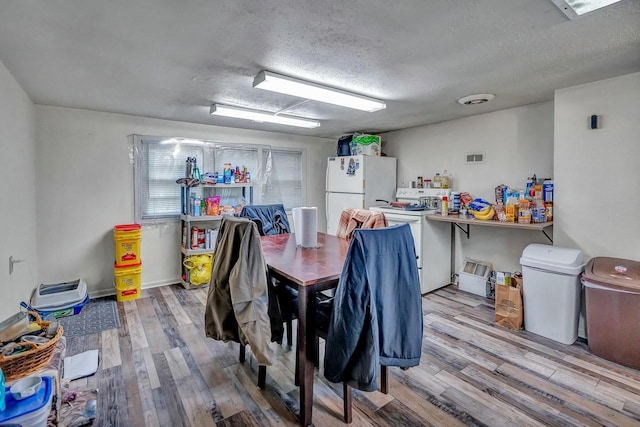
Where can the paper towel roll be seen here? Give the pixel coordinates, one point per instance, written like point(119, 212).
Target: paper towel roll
point(305, 226)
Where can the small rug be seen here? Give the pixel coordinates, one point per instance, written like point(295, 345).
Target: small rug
point(98, 315)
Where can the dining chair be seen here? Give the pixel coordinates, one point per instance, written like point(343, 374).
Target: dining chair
point(375, 316)
point(352, 219)
point(240, 303)
point(272, 219)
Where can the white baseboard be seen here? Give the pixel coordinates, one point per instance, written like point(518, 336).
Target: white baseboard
point(148, 285)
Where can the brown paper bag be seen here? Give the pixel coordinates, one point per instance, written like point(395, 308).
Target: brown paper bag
point(509, 307)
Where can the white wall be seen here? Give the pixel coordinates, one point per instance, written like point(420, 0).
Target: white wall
point(517, 143)
point(18, 175)
point(597, 173)
point(86, 187)
point(597, 178)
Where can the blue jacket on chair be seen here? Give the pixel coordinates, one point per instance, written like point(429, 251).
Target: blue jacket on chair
point(272, 218)
point(377, 312)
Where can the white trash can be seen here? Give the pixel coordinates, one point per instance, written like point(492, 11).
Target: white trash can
point(551, 291)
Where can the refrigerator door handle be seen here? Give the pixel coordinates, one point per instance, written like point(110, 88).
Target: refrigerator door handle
point(326, 178)
point(326, 207)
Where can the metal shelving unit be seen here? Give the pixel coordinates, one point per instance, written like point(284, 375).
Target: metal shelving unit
point(189, 220)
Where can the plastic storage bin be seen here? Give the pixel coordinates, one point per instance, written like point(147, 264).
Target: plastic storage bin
point(127, 238)
point(32, 411)
point(127, 281)
point(551, 291)
point(68, 310)
point(612, 292)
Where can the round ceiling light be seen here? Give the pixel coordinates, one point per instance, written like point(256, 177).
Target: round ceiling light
point(479, 98)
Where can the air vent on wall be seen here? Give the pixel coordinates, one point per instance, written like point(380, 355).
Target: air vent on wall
point(474, 158)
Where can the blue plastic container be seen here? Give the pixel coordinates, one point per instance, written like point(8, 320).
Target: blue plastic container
point(32, 411)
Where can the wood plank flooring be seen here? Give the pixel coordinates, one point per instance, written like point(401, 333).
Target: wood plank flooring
point(160, 369)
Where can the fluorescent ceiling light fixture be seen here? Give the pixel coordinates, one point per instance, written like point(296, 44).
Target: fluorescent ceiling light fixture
point(576, 8)
point(261, 116)
point(278, 83)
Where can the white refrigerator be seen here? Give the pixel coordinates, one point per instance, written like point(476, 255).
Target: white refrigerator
point(357, 182)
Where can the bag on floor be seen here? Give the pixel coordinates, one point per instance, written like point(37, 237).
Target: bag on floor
point(509, 310)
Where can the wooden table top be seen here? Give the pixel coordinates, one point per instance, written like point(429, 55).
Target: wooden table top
point(305, 266)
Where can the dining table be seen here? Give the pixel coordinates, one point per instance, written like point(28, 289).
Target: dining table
point(308, 270)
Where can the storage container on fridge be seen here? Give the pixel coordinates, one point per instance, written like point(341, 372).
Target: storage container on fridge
point(551, 291)
point(612, 292)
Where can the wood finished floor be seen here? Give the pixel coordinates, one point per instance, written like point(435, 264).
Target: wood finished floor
point(159, 369)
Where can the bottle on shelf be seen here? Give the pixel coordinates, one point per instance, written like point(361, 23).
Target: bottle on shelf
point(445, 179)
point(437, 181)
point(445, 205)
point(524, 211)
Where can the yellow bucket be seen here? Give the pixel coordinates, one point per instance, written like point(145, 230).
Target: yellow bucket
point(127, 281)
point(127, 239)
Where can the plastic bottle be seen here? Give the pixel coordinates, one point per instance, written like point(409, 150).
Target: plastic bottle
point(3, 406)
point(445, 205)
point(548, 210)
point(547, 190)
point(196, 207)
point(437, 181)
point(524, 212)
point(445, 179)
point(188, 168)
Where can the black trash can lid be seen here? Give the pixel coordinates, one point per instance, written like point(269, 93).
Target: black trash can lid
point(623, 274)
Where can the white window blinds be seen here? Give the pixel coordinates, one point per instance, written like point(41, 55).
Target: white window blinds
point(159, 162)
point(285, 182)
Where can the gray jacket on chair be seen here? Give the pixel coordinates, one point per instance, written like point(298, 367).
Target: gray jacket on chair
point(238, 302)
point(377, 310)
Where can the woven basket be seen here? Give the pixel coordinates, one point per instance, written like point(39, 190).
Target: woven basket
point(22, 364)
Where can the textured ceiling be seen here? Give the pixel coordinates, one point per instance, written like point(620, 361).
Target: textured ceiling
point(173, 59)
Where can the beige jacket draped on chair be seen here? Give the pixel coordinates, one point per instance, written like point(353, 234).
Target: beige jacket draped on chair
point(237, 303)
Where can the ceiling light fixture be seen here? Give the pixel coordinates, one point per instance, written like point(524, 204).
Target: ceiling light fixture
point(261, 116)
point(576, 8)
point(479, 98)
point(278, 83)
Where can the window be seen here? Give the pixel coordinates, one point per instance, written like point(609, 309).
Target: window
point(283, 181)
point(277, 174)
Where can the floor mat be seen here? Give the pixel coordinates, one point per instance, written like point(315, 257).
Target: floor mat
point(98, 315)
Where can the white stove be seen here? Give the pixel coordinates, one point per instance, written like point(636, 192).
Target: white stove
point(432, 239)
